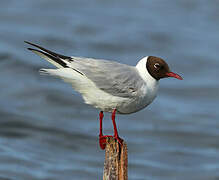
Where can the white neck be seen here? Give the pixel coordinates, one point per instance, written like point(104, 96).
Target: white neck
point(143, 72)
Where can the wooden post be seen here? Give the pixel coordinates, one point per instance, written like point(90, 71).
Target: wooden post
point(116, 160)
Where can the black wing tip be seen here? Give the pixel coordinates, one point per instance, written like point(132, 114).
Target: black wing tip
point(50, 56)
point(27, 42)
point(32, 44)
point(31, 49)
point(49, 52)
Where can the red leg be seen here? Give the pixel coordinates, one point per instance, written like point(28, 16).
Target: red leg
point(101, 120)
point(102, 138)
point(116, 136)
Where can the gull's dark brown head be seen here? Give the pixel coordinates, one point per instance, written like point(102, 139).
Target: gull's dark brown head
point(158, 68)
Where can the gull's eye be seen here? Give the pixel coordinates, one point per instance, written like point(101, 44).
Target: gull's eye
point(157, 65)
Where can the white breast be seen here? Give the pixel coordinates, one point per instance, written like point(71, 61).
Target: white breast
point(148, 91)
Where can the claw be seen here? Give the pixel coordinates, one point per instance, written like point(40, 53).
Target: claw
point(102, 141)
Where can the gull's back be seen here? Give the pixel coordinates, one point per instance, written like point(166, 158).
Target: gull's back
point(112, 77)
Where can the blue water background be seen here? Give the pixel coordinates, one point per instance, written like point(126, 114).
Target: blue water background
point(47, 132)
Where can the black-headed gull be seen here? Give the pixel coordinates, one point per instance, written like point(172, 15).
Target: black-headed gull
point(109, 85)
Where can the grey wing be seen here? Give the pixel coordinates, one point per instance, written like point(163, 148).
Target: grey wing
point(112, 77)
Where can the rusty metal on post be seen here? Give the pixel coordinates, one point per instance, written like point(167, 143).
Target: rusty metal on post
point(116, 160)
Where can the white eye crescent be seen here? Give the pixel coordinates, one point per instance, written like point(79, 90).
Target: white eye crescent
point(156, 65)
